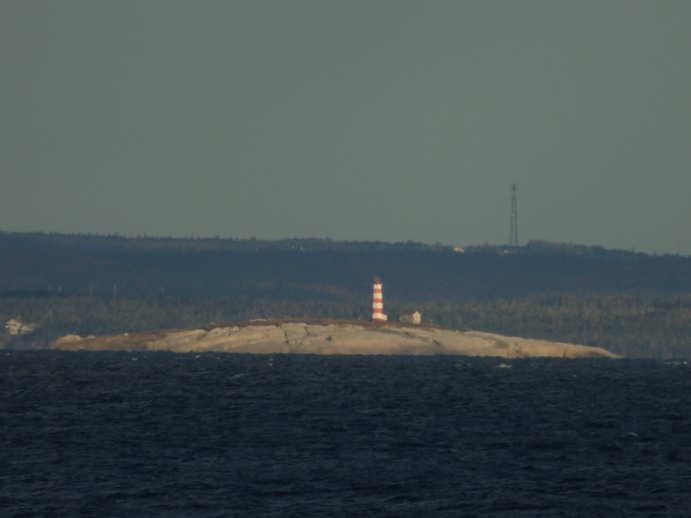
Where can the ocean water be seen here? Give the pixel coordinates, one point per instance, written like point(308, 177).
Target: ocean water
point(215, 435)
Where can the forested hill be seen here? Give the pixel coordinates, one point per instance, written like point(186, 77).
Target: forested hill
point(634, 304)
point(320, 268)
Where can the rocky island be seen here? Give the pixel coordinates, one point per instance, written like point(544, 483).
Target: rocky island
point(332, 337)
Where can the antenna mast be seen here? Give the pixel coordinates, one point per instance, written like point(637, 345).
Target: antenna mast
point(513, 230)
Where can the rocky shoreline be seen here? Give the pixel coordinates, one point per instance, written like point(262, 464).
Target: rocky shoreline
point(267, 337)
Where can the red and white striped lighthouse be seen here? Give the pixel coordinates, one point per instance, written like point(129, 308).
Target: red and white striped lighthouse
point(377, 302)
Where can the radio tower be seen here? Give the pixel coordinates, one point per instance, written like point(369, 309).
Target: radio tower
point(513, 231)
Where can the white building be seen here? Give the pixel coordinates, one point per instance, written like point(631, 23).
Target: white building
point(410, 317)
point(14, 326)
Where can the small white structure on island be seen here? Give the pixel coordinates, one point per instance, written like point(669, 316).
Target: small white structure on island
point(410, 317)
point(15, 326)
point(378, 302)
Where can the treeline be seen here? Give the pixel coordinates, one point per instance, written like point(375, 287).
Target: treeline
point(634, 325)
point(94, 242)
point(82, 265)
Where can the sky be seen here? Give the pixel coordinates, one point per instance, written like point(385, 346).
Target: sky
point(373, 120)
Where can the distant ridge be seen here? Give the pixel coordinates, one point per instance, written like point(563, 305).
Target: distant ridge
point(163, 243)
point(207, 243)
point(312, 268)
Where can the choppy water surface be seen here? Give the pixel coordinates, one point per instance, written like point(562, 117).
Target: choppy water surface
point(159, 434)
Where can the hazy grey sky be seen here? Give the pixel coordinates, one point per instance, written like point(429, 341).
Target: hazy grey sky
point(357, 120)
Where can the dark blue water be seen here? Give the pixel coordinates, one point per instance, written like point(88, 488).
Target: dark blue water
point(211, 435)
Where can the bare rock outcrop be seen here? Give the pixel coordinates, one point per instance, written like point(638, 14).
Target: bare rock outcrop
point(66, 339)
point(338, 338)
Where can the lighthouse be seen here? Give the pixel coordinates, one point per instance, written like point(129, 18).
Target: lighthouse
point(377, 302)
